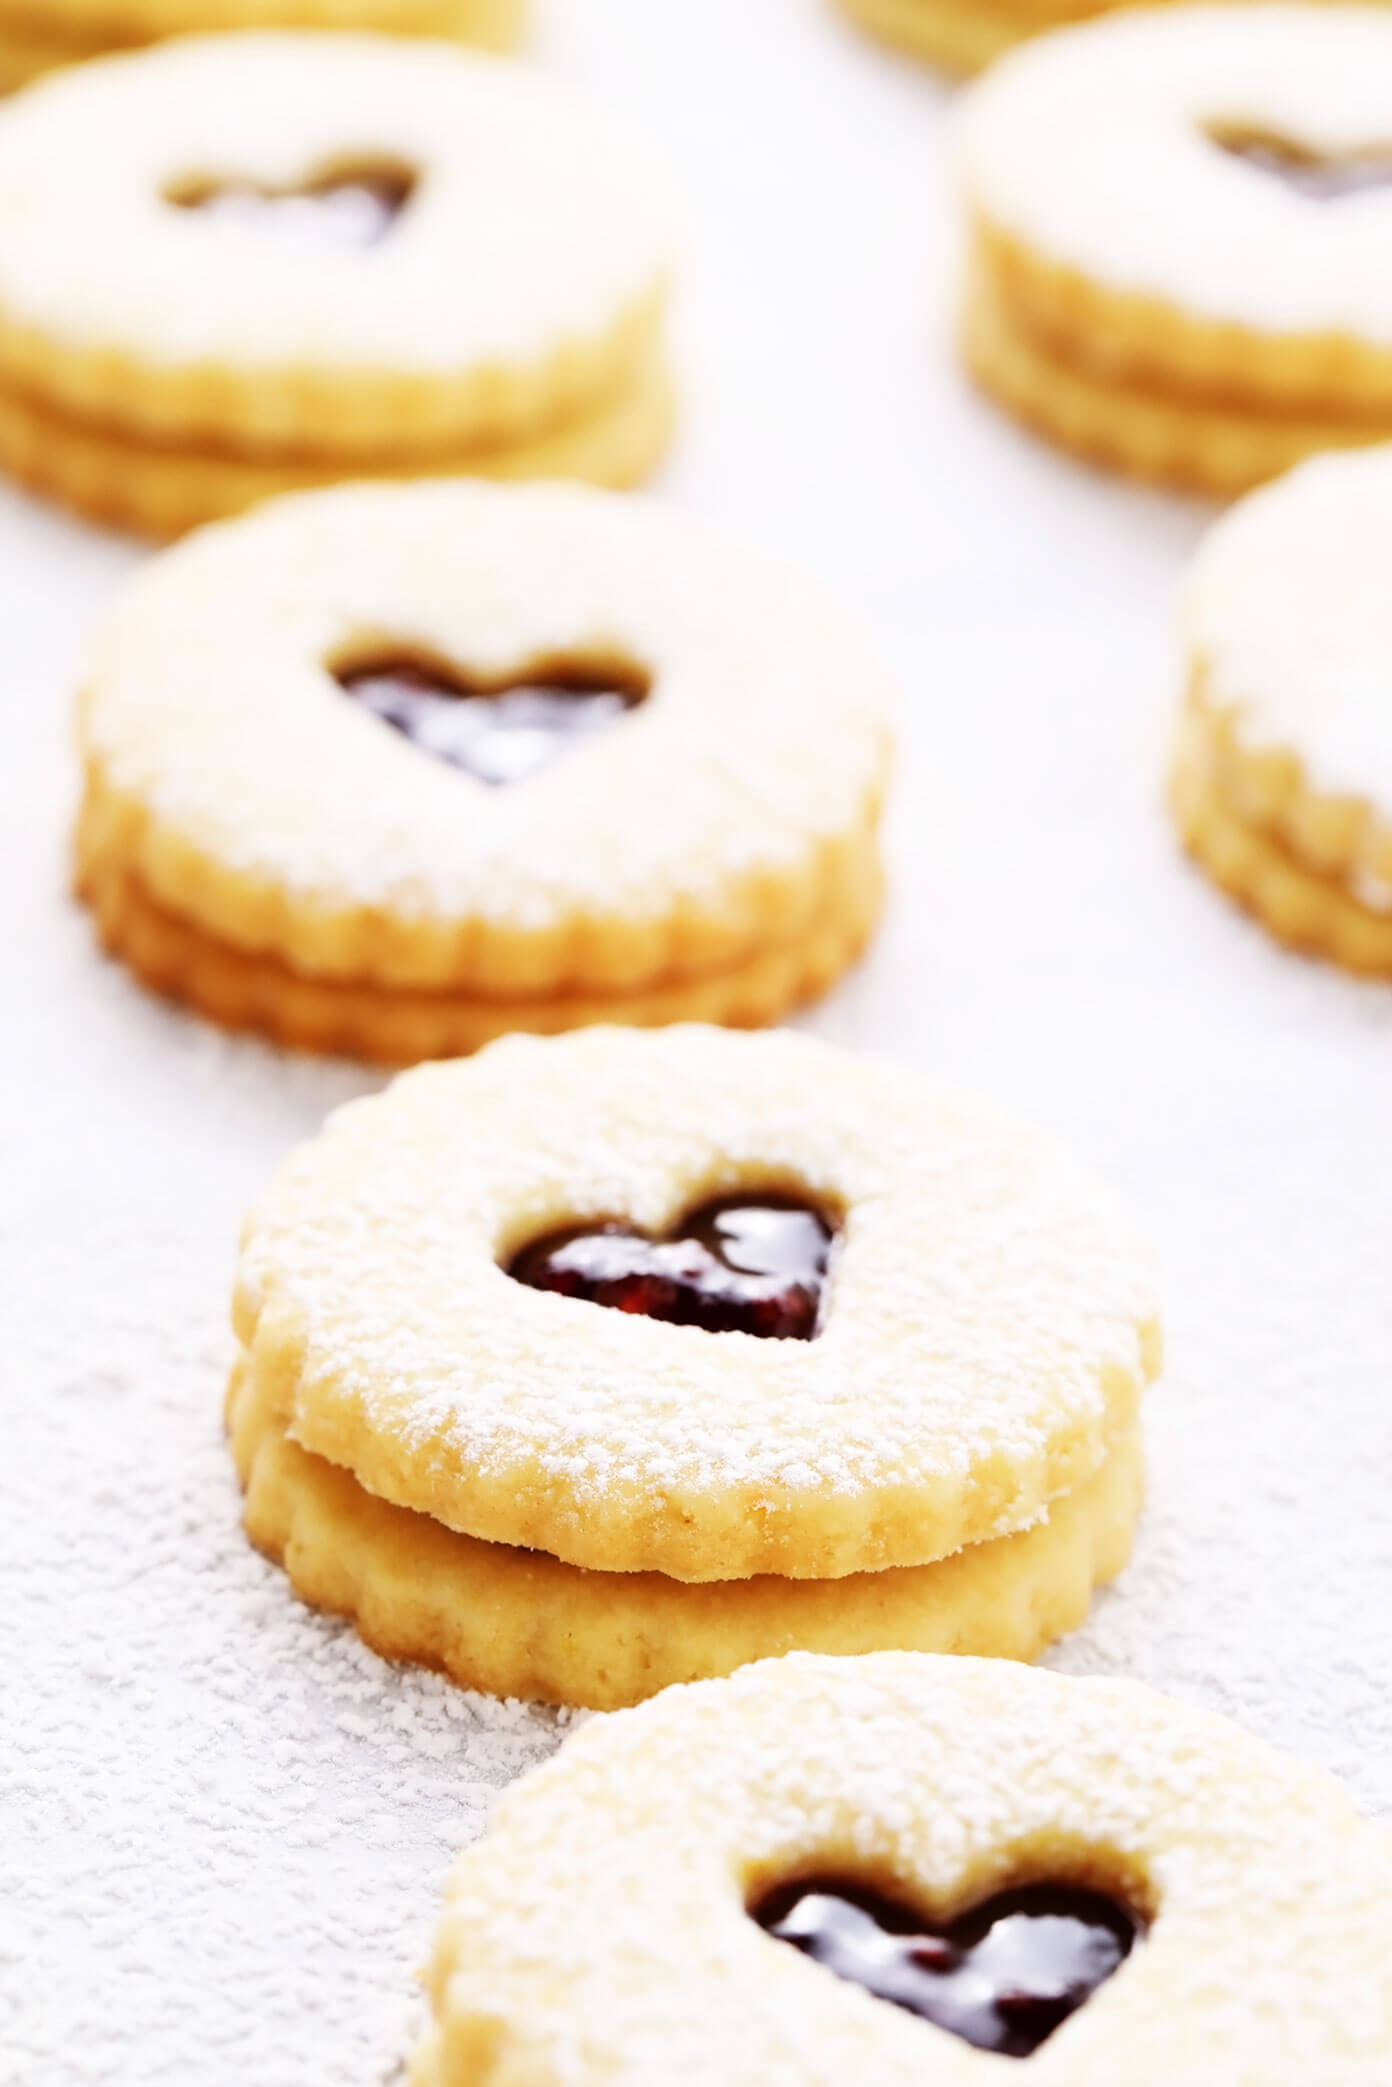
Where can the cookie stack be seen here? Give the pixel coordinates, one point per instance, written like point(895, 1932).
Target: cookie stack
point(1282, 781)
point(598, 1363)
point(1198, 289)
point(236, 265)
point(36, 35)
point(395, 770)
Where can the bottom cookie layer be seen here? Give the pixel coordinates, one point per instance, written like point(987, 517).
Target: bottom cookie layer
point(1146, 433)
point(1305, 911)
point(29, 46)
point(163, 491)
point(243, 991)
point(959, 37)
point(520, 1623)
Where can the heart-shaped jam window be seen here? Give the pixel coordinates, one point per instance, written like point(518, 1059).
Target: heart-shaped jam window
point(500, 732)
point(1310, 173)
point(352, 209)
point(1002, 1976)
point(739, 1264)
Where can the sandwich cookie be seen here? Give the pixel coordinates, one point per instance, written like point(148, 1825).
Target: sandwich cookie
point(393, 770)
point(231, 266)
point(1282, 778)
point(600, 1362)
point(1181, 238)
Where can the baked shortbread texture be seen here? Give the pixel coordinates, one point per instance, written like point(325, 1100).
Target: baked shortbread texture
point(1199, 287)
point(37, 35)
point(979, 1352)
point(235, 265)
point(960, 35)
point(1282, 780)
point(520, 1623)
point(600, 1933)
point(255, 841)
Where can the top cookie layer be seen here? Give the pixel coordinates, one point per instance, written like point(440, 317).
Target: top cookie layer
point(512, 286)
point(252, 796)
point(598, 1933)
point(989, 1321)
point(1096, 149)
point(1289, 625)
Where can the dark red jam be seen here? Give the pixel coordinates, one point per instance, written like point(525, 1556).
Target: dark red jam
point(1324, 179)
point(500, 735)
point(346, 210)
point(1003, 1976)
point(741, 1264)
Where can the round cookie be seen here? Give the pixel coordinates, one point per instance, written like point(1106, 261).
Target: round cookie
point(1196, 290)
point(518, 1623)
point(1282, 782)
point(392, 770)
point(1177, 1902)
point(37, 35)
point(235, 265)
point(980, 1331)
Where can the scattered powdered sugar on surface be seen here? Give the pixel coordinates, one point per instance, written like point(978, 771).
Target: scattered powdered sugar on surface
point(224, 1826)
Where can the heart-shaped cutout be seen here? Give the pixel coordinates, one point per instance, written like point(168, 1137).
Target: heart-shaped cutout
point(1002, 1976)
point(353, 208)
point(1325, 179)
point(738, 1264)
point(499, 732)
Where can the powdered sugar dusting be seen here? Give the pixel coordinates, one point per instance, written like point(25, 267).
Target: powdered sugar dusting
point(211, 707)
point(947, 1779)
point(159, 1925)
point(1290, 611)
point(986, 1319)
point(1144, 202)
point(532, 230)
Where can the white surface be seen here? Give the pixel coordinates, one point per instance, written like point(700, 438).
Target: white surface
point(223, 1824)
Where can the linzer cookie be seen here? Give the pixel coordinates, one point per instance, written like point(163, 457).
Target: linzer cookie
point(392, 770)
point(235, 265)
point(36, 35)
point(1282, 781)
point(602, 1362)
point(902, 1869)
point(1199, 287)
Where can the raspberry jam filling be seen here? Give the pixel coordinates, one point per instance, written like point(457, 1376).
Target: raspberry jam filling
point(1308, 172)
point(499, 734)
point(740, 1264)
point(1003, 1976)
point(348, 210)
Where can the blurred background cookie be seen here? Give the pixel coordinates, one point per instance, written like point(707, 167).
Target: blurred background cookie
point(1282, 779)
point(235, 265)
point(392, 770)
point(1181, 238)
point(36, 35)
